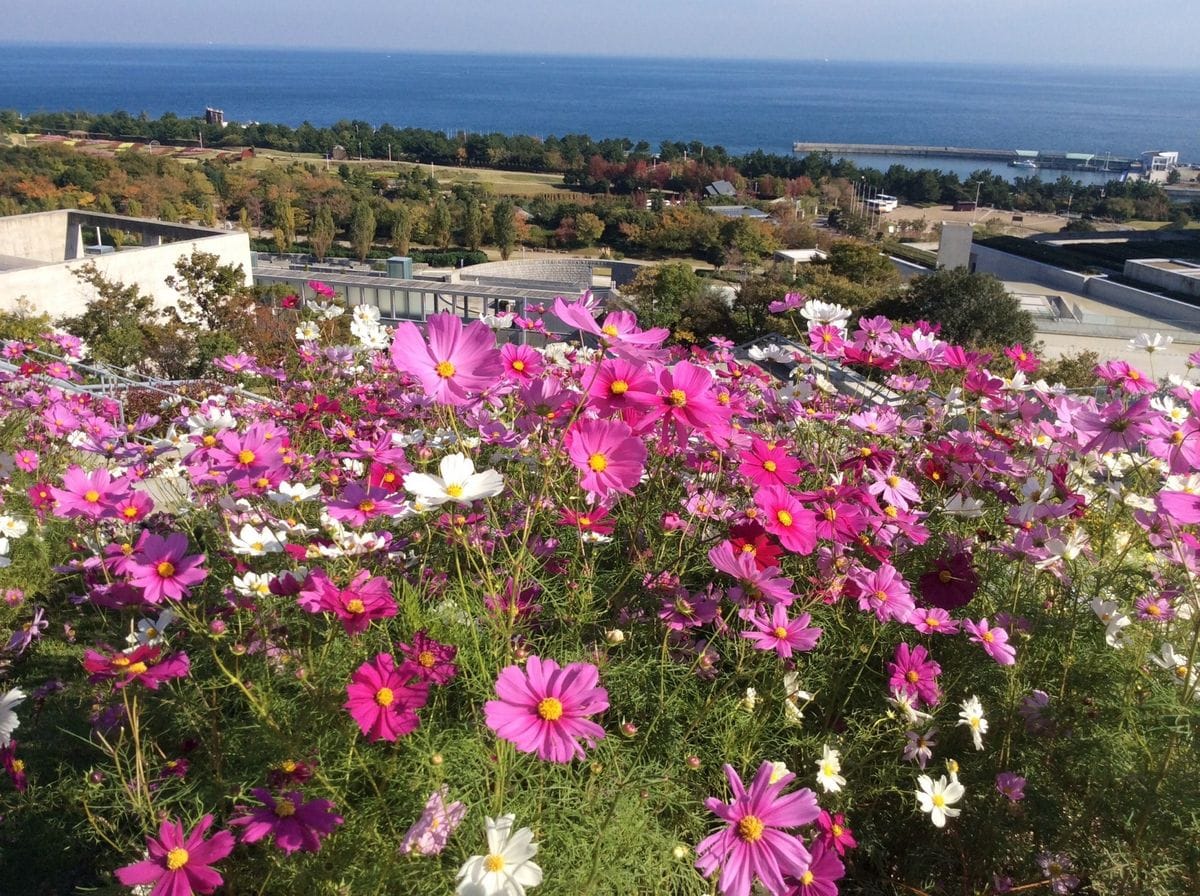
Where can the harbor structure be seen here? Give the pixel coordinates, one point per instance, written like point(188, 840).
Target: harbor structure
point(1021, 158)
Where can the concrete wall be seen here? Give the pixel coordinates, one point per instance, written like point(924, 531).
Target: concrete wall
point(907, 269)
point(1147, 304)
point(56, 290)
point(954, 247)
point(39, 237)
point(1186, 281)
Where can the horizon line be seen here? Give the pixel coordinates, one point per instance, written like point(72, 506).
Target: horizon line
point(535, 54)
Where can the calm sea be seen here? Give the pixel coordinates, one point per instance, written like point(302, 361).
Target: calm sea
point(739, 104)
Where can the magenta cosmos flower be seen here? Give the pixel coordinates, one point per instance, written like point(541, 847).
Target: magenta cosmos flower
point(768, 463)
point(913, 673)
point(455, 365)
point(993, 640)
point(162, 568)
point(145, 664)
point(179, 865)
point(608, 454)
point(383, 700)
point(755, 844)
point(89, 495)
point(787, 519)
point(294, 823)
point(820, 876)
point(542, 708)
point(364, 599)
point(781, 634)
point(432, 661)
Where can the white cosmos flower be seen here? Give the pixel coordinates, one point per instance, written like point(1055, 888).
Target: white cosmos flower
point(1115, 634)
point(972, 717)
point(8, 715)
point(1151, 344)
point(459, 482)
point(935, 797)
point(962, 506)
point(778, 770)
point(11, 527)
point(294, 493)
point(367, 314)
point(770, 352)
point(825, 313)
point(252, 584)
point(308, 331)
point(508, 868)
point(829, 767)
point(253, 542)
point(149, 632)
point(793, 694)
point(903, 702)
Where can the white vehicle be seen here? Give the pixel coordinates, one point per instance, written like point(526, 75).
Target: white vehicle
point(882, 202)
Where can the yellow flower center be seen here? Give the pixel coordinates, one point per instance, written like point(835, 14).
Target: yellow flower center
point(493, 862)
point(285, 808)
point(837, 830)
point(177, 858)
point(120, 662)
point(135, 668)
point(209, 440)
point(454, 491)
point(129, 512)
point(830, 514)
point(583, 522)
point(444, 369)
point(366, 506)
point(426, 659)
point(287, 766)
point(678, 398)
point(770, 466)
point(932, 621)
point(892, 481)
point(912, 675)
point(1177, 437)
point(91, 496)
point(354, 605)
point(988, 637)
point(780, 632)
point(609, 330)
point(166, 569)
point(518, 365)
point(881, 596)
point(550, 709)
point(939, 800)
point(618, 387)
point(1153, 610)
point(245, 456)
point(598, 462)
point(750, 828)
point(807, 878)
point(385, 697)
point(784, 518)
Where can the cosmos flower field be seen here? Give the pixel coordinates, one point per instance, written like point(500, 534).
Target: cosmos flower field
point(431, 611)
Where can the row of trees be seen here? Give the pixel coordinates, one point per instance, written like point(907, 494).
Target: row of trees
point(622, 166)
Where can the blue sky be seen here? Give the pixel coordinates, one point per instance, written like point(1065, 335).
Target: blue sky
point(1048, 32)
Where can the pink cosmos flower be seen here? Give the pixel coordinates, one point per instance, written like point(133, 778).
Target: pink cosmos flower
point(619, 386)
point(521, 363)
point(1120, 374)
point(294, 823)
point(162, 568)
point(686, 400)
point(787, 519)
point(758, 583)
point(179, 864)
point(455, 365)
point(145, 664)
point(1181, 507)
point(428, 836)
point(820, 875)
point(892, 488)
point(913, 673)
point(1011, 785)
point(542, 708)
point(89, 495)
point(1022, 358)
point(26, 460)
point(993, 640)
point(835, 833)
point(685, 610)
point(884, 592)
point(755, 845)
point(357, 506)
point(768, 463)
point(781, 634)
point(431, 661)
point(932, 621)
point(383, 699)
point(619, 331)
point(364, 599)
point(608, 454)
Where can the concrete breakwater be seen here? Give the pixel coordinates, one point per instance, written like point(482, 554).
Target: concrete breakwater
point(1058, 161)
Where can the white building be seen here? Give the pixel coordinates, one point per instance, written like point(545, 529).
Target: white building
point(41, 253)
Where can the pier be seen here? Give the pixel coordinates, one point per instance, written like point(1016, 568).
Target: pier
point(1054, 161)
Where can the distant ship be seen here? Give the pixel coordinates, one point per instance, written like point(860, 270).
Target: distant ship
point(1023, 163)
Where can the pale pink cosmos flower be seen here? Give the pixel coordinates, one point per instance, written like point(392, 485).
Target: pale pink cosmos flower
point(781, 634)
point(543, 708)
point(428, 836)
point(89, 495)
point(455, 365)
point(992, 640)
point(608, 454)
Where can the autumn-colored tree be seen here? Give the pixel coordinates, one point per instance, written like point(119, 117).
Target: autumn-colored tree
point(440, 222)
point(362, 230)
point(588, 228)
point(321, 234)
point(472, 230)
point(504, 226)
point(402, 228)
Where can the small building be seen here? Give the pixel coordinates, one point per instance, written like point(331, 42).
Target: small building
point(1158, 164)
point(799, 256)
point(738, 211)
point(1174, 274)
point(721, 188)
point(338, 153)
point(214, 117)
point(964, 205)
